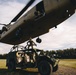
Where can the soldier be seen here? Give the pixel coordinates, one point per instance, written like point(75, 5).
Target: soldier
point(40, 9)
point(30, 43)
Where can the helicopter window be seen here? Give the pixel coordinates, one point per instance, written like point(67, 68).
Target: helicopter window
point(40, 9)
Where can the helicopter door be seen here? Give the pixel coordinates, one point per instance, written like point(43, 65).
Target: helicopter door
point(40, 11)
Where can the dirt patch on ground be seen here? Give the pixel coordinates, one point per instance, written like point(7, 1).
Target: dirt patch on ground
point(65, 71)
point(61, 71)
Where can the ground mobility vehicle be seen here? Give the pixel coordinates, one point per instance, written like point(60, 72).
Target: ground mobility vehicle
point(30, 58)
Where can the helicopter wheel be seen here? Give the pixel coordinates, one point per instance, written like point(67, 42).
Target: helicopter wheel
point(38, 40)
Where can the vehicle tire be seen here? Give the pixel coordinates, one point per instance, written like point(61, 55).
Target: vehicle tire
point(55, 68)
point(45, 68)
point(11, 66)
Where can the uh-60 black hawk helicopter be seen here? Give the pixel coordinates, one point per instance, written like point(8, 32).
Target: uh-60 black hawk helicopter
point(37, 21)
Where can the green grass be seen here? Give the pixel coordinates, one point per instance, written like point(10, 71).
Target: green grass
point(68, 62)
point(2, 64)
point(5, 71)
point(63, 62)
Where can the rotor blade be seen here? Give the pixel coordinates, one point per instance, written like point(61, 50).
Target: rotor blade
point(23, 10)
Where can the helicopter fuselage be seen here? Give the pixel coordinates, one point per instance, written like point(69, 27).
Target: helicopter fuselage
point(38, 21)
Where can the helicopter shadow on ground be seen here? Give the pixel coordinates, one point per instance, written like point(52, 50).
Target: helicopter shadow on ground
point(17, 72)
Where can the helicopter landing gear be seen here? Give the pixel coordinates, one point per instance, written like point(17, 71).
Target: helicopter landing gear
point(38, 40)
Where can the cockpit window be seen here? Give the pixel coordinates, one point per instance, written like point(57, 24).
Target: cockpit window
point(40, 9)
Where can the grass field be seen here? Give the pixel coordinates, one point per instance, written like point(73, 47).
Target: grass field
point(2, 64)
point(68, 62)
point(5, 71)
point(63, 62)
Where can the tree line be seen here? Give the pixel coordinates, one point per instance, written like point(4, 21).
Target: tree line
point(61, 54)
point(3, 56)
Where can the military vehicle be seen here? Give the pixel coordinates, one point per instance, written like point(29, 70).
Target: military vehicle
point(21, 58)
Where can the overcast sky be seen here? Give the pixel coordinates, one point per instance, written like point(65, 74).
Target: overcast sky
point(61, 38)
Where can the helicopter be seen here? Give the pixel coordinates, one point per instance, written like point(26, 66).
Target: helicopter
point(37, 21)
